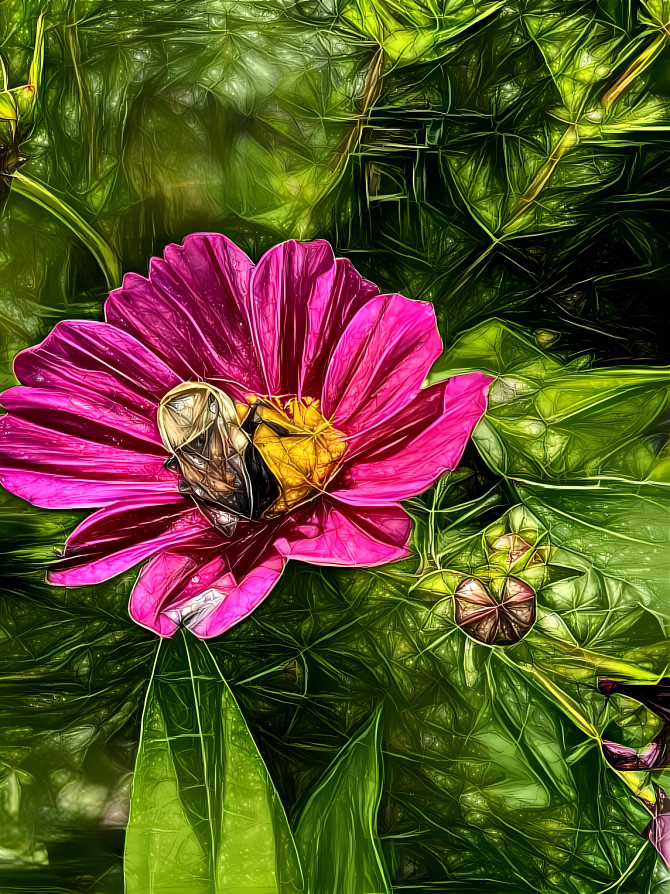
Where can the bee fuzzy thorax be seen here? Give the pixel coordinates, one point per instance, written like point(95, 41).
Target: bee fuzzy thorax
point(250, 461)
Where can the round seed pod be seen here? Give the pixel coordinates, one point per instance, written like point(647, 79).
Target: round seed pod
point(495, 623)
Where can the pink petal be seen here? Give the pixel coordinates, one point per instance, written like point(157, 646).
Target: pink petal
point(326, 534)
point(114, 539)
point(622, 757)
point(301, 298)
point(199, 591)
point(61, 471)
point(88, 358)
point(658, 829)
point(93, 417)
point(230, 600)
point(410, 456)
point(191, 311)
point(380, 362)
point(170, 579)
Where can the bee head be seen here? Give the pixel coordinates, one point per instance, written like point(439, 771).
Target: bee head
point(187, 413)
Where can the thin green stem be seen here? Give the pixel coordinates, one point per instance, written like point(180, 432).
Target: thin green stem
point(97, 245)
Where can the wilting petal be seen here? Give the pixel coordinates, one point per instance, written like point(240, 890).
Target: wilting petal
point(191, 311)
point(622, 757)
point(380, 362)
point(326, 534)
point(655, 697)
point(301, 298)
point(116, 538)
point(409, 458)
point(60, 471)
point(89, 358)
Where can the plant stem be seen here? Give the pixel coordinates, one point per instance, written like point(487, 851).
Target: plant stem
point(97, 245)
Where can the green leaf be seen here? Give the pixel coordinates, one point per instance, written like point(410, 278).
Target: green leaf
point(579, 52)
point(205, 816)
point(548, 421)
point(414, 30)
point(622, 529)
point(337, 830)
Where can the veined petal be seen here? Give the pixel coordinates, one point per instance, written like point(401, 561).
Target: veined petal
point(411, 457)
point(60, 471)
point(324, 533)
point(88, 358)
point(380, 362)
point(93, 417)
point(198, 589)
point(301, 298)
point(191, 311)
point(114, 539)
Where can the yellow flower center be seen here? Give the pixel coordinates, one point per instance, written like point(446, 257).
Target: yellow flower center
point(299, 445)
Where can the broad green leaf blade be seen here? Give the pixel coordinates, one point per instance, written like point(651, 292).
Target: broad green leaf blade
point(205, 816)
point(551, 421)
point(579, 52)
point(622, 529)
point(337, 830)
point(414, 30)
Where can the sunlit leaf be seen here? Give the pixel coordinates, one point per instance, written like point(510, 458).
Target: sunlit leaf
point(205, 816)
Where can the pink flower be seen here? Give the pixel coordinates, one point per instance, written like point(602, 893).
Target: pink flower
point(330, 370)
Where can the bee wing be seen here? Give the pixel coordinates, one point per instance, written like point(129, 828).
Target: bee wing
point(199, 424)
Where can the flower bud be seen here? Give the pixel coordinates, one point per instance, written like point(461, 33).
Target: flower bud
point(17, 109)
point(496, 623)
point(515, 544)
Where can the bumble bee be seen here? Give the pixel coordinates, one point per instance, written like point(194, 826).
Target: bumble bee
point(214, 452)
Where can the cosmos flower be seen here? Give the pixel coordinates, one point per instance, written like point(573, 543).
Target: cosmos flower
point(229, 417)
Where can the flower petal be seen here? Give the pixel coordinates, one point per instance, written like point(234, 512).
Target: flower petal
point(411, 456)
point(60, 471)
point(116, 538)
point(658, 830)
point(88, 358)
point(191, 311)
point(93, 417)
point(622, 757)
point(301, 298)
point(197, 589)
point(326, 534)
point(380, 362)
point(230, 600)
point(170, 579)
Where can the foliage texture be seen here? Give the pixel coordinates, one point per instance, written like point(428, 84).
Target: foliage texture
point(508, 161)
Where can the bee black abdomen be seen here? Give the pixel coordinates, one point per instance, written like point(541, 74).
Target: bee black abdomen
point(264, 486)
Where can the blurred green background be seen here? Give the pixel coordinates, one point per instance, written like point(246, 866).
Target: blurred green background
point(508, 161)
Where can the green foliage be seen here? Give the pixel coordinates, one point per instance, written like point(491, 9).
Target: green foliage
point(337, 829)
point(200, 780)
point(509, 163)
